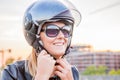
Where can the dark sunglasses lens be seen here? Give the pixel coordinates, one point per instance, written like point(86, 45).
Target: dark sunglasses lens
point(52, 31)
point(66, 31)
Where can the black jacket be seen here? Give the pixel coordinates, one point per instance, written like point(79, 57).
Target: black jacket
point(19, 71)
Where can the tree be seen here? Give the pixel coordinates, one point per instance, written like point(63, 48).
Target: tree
point(101, 70)
point(90, 70)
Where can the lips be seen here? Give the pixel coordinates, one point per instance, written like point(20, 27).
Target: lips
point(59, 43)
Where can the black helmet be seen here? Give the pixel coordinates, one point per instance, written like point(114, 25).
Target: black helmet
point(43, 11)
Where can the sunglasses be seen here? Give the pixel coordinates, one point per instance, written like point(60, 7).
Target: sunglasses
point(52, 30)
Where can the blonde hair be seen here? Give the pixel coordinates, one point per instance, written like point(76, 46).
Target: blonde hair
point(32, 63)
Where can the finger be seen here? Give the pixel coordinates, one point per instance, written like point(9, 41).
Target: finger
point(59, 68)
point(65, 61)
point(52, 58)
point(49, 57)
point(58, 73)
point(61, 63)
point(43, 52)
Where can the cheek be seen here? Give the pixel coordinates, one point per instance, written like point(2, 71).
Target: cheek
point(46, 41)
point(66, 42)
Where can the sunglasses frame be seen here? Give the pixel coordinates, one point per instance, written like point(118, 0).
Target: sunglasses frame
point(59, 29)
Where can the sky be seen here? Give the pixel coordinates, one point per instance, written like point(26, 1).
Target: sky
point(100, 25)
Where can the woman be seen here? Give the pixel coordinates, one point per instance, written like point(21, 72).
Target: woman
point(48, 26)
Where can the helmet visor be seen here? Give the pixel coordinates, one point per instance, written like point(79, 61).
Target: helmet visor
point(48, 9)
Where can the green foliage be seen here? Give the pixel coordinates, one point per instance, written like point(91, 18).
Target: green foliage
point(114, 72)
point(100, 70)
point(89, 70)
point(93, 70)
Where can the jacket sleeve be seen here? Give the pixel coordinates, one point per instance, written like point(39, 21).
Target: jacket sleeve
point(7, 73)
point(75, 73)
point(16, 71)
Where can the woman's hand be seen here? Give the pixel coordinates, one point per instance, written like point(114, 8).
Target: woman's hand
point(63, 70)
point(45, 66)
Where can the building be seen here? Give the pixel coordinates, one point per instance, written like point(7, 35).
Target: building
point(82, 58)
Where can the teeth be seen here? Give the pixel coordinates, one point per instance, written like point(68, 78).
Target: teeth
point(59, 44)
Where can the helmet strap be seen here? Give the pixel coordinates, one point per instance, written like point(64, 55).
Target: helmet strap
point(68, 47)
point(40, 46)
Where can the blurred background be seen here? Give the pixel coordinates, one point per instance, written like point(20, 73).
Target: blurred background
point(97, 34)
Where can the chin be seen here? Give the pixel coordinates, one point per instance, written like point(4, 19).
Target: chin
point(58, 54)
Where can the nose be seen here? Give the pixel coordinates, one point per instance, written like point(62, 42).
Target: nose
point(60, 35)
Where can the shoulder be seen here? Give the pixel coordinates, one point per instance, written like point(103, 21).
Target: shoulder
point(12, 70)
point(75, 73)
point(74, 69)
point(16, 65)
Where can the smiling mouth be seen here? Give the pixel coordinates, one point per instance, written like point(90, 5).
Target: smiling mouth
point(59, 44)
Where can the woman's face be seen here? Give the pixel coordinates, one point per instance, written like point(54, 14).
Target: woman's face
point(56, 46)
